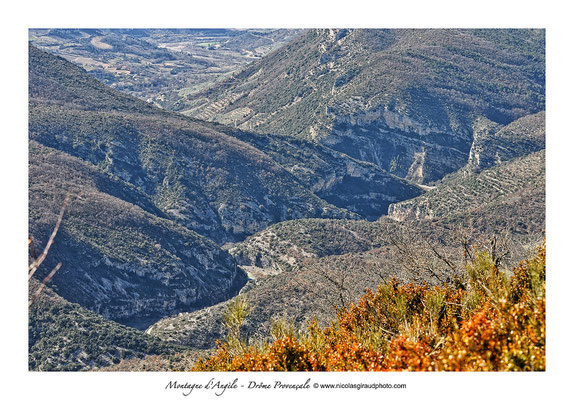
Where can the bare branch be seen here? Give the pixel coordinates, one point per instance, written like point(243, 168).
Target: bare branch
point(33, 267)
point(44, 282)
point(441, 256)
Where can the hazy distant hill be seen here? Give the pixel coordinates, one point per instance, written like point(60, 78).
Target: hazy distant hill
point(406, 100)
point(161, 66)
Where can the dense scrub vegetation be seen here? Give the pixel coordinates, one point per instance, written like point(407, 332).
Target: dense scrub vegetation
point(464, 192)
point(488, 320)
point(66, 336)
point(432, 75)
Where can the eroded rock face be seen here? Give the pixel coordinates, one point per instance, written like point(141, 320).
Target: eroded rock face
point(494, 144)
point(186, 274)
point(127, 291)
point(419, 152)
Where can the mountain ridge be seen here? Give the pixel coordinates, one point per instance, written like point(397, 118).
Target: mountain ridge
point(402, 99)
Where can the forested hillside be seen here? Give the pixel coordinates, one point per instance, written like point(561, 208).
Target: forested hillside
point(409, 101)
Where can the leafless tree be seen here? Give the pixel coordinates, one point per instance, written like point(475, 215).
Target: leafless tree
point(439, 255)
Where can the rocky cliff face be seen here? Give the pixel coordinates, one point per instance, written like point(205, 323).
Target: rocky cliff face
point(494, 144)
point(418, 152)
point(503, 160)
point(358, 186)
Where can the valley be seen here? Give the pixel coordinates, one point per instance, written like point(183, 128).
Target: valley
point(160, 66)
point(292, 169)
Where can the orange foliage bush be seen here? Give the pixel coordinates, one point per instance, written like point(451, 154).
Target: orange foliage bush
point(493, 323)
